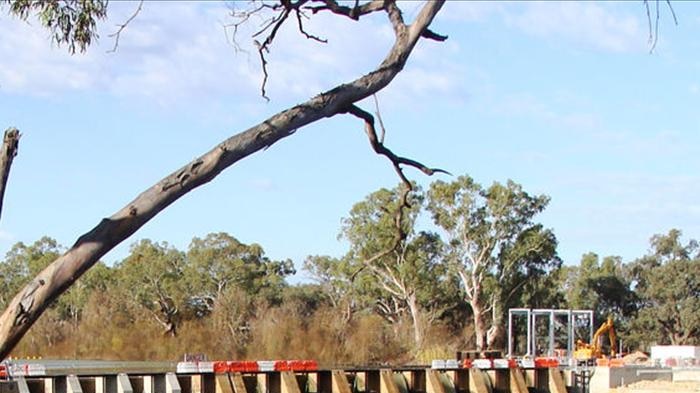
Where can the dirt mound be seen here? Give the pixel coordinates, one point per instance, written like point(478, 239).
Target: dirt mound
point(637, 357)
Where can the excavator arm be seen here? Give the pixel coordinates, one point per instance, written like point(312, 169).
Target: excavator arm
point(594, 350)
point(606, 327)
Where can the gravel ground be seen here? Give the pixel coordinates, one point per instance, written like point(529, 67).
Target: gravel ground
point(659, 387)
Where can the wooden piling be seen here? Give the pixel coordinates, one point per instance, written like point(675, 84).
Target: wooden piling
point(556, 381)
point(477, 381)
point(340, 382)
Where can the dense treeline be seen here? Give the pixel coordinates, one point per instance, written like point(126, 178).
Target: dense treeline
point(416, 282)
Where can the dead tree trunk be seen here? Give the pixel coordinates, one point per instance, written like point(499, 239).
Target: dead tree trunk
point(33, 299)
point(10, 143)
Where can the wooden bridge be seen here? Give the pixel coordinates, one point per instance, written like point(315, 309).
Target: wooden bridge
point(486, 376)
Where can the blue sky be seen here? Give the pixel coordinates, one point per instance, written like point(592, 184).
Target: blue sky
point(563, 98)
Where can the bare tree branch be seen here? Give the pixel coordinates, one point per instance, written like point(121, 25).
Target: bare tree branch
point(396, 18)
point(300, 25)
point(431, 35)
point(654, 35)
point(26, 307)
point(286, 7)
point(656, 28)
point(10, 144)
point(673, 13)
point(651, 35)
point(379, 148)
point(379, 117)
point(118, 33)
point(351, 12)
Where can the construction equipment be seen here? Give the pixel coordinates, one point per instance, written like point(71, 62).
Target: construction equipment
point(588, 353)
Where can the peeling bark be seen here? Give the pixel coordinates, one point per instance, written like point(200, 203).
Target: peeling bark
point(32, 300)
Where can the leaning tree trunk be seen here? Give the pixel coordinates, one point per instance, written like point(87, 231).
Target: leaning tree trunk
point(35, 297)
point(10, 143)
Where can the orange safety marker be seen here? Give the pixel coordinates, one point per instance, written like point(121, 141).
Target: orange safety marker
point(221, 367)
point(546, 362)
point(310, 365)
point(505, 363)
point(282, 365)
point(243, 366)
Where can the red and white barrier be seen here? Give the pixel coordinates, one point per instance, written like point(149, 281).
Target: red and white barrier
point(546, 362)
point(246, 366)
point(526, 363)
point(505, 363)
point(195, 367)
point(483, 364)
point(25, 370)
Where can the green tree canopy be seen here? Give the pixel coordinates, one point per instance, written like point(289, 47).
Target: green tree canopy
point(71, 22)
point(667, 280)
point(219, 262)
point(152, 278)
point(494, 246)
point(23, 262)
point(403, 265)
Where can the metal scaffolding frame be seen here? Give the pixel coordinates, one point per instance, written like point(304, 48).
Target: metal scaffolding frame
point(532, 316)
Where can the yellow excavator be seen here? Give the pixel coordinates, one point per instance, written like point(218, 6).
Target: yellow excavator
point(588, 353)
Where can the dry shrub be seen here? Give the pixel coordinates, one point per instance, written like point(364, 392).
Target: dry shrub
point(327, 331)
point(439, 343)
point(373, 341)
point(239, 327)
point(44, 337)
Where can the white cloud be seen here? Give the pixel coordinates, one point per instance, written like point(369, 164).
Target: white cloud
point(183, 55)
point(528, 105)
point(595, 25)
point(29, 63)
point(7, 237)
point(663, 143)
point(263, 184)
point(617, 212)
point(470, 11)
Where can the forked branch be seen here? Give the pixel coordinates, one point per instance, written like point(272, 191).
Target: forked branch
point(123, 26)
point(271, 26)
point(379, 148)
point(397, 161)
point(264, 37)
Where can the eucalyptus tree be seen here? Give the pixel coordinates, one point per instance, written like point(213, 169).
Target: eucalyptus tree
point(493, 245)
point(403, 264)
point(336, 280)
point(603, 286)
point(219, 262)
point(74, 22)
point(151, 277)
point(22, 262)
point(667, 281)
